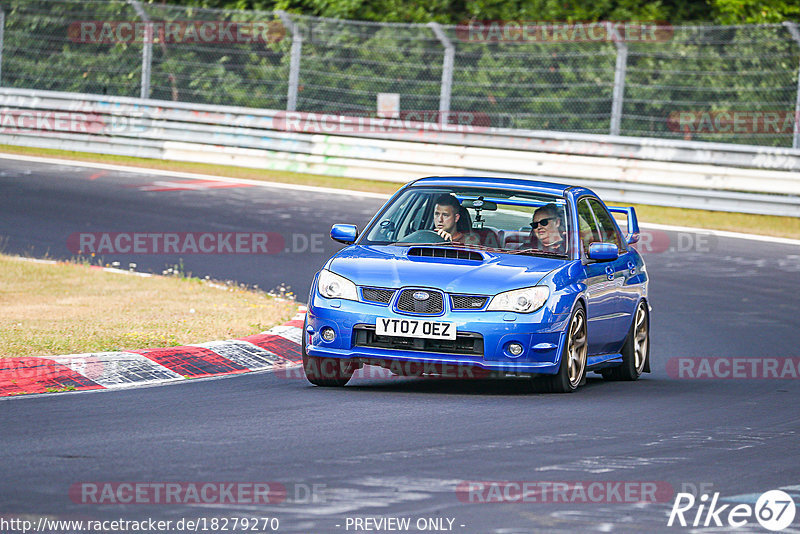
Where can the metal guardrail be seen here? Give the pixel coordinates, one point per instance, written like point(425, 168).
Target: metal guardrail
point(629, 78)
point(751, 179)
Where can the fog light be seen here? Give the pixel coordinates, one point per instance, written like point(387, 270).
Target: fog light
point(515, 349)
point(328, 334)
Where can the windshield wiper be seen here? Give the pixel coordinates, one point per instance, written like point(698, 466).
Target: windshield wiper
point(408, 244)
point(535, 251)
point(448, 244)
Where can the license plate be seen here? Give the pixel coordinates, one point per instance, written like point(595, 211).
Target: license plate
point(415, 328)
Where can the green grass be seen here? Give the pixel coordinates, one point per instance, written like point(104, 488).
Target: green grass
point(747, 223)
point(67, 308)
point(736, 222)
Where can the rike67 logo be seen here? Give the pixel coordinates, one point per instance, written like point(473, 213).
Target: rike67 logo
point(774, 510)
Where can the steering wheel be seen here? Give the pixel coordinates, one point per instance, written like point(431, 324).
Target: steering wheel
point(423, 236)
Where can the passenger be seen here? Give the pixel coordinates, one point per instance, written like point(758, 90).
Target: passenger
point(547, 230)
point(449, 222)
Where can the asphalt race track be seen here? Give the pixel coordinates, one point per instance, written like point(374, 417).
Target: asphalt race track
point(402, 448)
point(41, 206)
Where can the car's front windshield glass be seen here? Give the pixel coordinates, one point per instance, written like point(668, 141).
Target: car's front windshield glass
point(508, 221)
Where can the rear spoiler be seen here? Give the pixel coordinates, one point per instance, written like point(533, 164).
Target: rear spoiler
point(633, 223)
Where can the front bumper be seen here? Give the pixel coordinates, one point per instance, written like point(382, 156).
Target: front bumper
point(540, 333)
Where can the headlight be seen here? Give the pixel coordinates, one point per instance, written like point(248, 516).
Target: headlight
point(333, 286)
point(523, 300)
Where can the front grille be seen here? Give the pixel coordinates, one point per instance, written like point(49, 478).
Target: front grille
point(375, 294)
point(466, 343)
point(432, 305)
point(452, 253)
point(467, 302)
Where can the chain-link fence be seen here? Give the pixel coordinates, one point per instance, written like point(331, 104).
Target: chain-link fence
point(736, 84)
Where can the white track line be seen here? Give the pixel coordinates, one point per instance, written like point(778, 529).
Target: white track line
point(329, 190)
point(722, 233)
point(192, 175)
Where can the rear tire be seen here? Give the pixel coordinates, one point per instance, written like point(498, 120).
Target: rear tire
point(572, 370)
point(324, 372)
point(635, 351)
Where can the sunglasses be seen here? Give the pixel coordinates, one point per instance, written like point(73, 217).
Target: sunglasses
point(543, 222)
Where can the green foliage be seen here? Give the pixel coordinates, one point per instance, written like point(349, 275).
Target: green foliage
point(754, 11)
point(457, 11)
point(706, 69)
point(43, 50)
point(564, 86)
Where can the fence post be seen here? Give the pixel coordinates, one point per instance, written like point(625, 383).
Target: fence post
point(147, 60)
point(147, 49)
point(294, 65)
point(447, 71)
point(2, 38)
point(792, 26)
point(618, 95)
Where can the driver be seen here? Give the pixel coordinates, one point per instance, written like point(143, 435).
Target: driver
point(448, 222)
point(546, 227)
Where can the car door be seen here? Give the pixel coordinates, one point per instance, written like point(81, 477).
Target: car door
point(608, 311)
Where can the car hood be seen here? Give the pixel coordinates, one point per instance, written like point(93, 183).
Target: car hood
point(392, 266)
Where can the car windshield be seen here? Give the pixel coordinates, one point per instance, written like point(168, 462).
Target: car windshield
point(491, 219)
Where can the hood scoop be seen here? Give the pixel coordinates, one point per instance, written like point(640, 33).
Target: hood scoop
point(442, 252)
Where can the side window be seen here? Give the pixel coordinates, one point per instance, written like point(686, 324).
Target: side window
point(399, 220)
point(397, 217)
point(422, 218)
point(608, 230)
point(588, 227)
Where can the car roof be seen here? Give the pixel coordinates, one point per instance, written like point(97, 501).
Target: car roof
point(519, 184)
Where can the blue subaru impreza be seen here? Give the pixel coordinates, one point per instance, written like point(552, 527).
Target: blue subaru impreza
point(468, 276)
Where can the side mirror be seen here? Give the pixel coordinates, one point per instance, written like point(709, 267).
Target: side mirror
point(632, 235)
point(603, 251)
point(344, 233)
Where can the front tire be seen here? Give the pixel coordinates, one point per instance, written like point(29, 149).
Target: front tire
point(324, 372)
point(572, 371)
point(636, 350)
